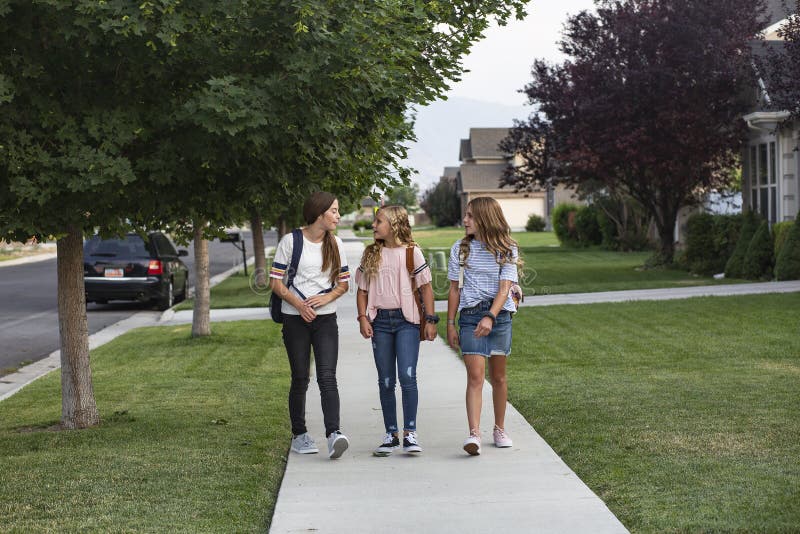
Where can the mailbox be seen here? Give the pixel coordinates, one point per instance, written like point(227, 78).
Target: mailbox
point(231, 237)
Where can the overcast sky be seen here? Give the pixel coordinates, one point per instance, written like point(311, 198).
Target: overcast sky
point(488, 95)
point(500, 64)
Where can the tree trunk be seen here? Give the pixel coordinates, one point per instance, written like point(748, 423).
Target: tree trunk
point(201, 316)
point(78, 407)
point(666, 239)
point(282, 227)
point(260, 274)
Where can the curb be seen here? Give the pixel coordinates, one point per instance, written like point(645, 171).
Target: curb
point(28, 259)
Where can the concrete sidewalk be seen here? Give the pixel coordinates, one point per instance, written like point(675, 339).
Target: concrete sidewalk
point(526, 488)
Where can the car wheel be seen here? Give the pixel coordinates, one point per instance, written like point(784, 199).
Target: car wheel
point(168, 300)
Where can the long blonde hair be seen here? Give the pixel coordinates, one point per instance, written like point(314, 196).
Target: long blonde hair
point(493, 228)
point(401, 230)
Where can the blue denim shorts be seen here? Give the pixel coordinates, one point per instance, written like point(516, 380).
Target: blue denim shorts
point(497, 343)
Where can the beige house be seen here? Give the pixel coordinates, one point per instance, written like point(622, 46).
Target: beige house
point(771, 159)
point(483, 165)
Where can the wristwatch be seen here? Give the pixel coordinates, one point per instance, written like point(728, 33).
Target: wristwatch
point(433, 319)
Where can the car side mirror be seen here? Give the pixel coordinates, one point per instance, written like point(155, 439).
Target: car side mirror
point(183, 252)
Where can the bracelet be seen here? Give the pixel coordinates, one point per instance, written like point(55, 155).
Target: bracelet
point(451, 321)
point(490, 315)
point(360, 315)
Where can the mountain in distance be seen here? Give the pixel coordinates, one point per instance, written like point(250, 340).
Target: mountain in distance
point(440, 127)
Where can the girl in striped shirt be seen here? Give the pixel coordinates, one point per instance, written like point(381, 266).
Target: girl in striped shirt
point(482, 268)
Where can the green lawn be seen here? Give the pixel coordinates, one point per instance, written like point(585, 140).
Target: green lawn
point(550, 269)
point(683, 416)
point(555, 270)
point(445, 237)
point(236, 291)
point(194, 437)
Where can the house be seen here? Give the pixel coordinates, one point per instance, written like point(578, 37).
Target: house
point(482, 167)
point(771, 158)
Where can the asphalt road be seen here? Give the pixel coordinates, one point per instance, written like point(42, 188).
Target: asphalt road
point(29, 309)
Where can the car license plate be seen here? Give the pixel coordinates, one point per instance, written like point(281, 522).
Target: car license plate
point(113, 273)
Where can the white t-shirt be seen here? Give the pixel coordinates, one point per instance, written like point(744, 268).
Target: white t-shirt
point(309, 280)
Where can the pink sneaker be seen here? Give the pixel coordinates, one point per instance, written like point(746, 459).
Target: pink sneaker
point(473, 443)
point(501, 439)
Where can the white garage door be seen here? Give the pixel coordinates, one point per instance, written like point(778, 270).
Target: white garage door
point(517, 210)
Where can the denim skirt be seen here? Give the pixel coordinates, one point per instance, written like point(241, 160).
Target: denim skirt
point(497, 343)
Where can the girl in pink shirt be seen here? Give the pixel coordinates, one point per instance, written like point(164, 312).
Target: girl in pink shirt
point(388, 315)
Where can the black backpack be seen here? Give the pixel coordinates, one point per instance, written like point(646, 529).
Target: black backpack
point(274, 300)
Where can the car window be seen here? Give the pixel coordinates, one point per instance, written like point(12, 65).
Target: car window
point(131, 246)
point(164, 246)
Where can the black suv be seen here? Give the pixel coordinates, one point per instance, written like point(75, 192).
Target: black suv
point(133, 268)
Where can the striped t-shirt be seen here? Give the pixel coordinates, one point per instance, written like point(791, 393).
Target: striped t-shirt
point(482, 275)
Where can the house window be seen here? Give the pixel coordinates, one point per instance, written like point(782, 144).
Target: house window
point(763, 180)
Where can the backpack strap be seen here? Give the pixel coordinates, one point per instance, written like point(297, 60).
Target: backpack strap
point(415, 292)
point(297, 250)
point(410, 262)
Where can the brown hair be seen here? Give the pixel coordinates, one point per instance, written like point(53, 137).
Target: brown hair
point(493, 228)
point(401, 230)
point(317, 204)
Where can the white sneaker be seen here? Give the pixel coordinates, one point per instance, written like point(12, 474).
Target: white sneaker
point(501, 439)
point(473, 443)
point(304, 444)
point(410, 443)
point(390, 443)
point(337, 444)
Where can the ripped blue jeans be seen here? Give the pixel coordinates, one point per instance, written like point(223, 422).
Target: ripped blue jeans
point(395, 345)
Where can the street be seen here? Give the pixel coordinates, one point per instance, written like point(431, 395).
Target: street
point(29, 312)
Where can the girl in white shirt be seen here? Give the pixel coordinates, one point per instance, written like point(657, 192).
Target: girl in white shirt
point(309, 318)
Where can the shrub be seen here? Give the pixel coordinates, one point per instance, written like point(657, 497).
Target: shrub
point(710, 242)
point(608, 231)
point(733, 268)
point(780, 231)
point(787, 265)
point(587, 227)
point(622, 222)
point(758, 260)
point(362, 225)
point(564, 224)
point(701, 252)
point(726, 233)
point(535, 223)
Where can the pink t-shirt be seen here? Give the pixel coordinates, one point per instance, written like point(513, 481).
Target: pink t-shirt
point(390, 288)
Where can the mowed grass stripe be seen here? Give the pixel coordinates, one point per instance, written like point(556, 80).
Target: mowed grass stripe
point(682, 415)
point(194, 437)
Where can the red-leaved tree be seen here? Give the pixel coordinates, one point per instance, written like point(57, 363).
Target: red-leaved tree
point(648, 102)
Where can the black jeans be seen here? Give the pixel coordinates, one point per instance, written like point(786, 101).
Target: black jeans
point(299, 336)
